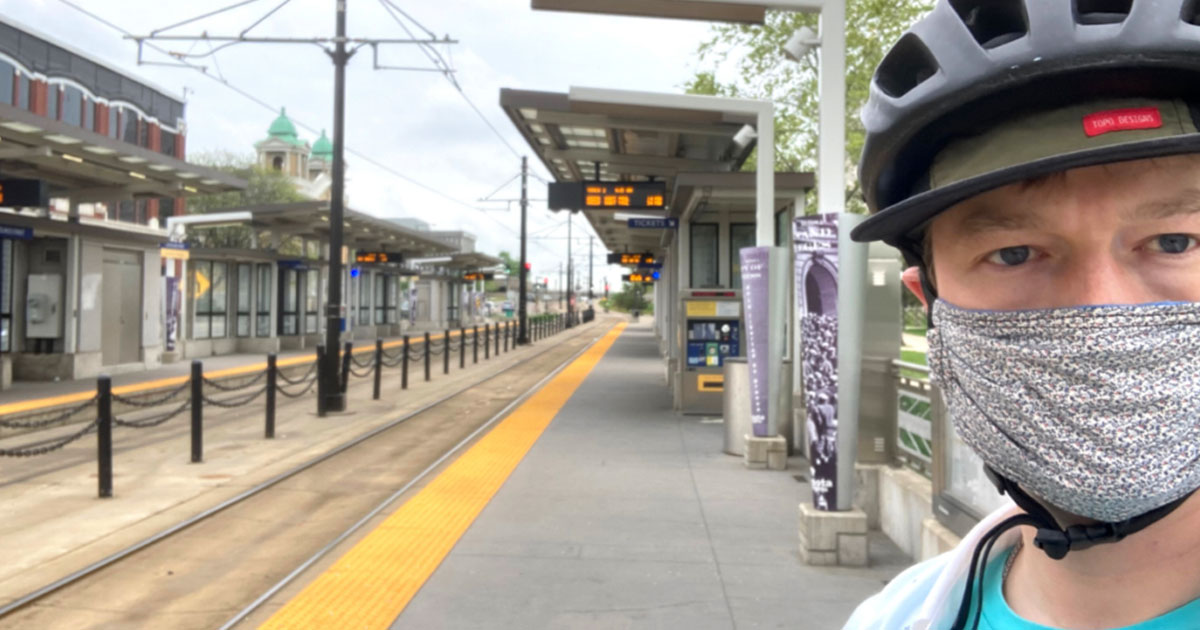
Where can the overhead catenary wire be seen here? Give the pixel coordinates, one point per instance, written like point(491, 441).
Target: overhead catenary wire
point(310, 128)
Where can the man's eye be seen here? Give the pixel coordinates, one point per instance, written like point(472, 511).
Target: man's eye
point(1172, 243)
point(1011, 256)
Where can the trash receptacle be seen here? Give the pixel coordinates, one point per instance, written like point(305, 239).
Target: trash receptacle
point(736, 405)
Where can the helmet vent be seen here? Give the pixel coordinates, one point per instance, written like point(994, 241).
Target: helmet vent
point(993, 23)
point(1102, 11)
point(908, 65)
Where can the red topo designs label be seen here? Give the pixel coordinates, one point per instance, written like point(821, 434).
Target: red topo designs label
point(1122, 120)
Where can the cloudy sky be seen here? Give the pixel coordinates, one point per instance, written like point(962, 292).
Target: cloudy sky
point(415, 123)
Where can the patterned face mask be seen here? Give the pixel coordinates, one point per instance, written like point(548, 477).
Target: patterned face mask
point(1095, 409)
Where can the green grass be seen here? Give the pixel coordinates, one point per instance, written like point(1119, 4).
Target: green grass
point(912, 356)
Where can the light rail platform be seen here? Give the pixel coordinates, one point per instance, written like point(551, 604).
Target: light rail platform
point(593, 505)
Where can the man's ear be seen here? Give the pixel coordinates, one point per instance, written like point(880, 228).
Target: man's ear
point(912, 280)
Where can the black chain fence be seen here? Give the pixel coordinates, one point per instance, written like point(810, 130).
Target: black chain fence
point(48, 446)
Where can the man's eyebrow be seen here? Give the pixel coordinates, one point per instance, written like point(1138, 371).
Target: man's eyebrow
point(993, 219)
point(1187, 202)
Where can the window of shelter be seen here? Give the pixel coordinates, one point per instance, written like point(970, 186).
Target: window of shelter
point(704, 255)
point(740, 235)
point(209, 285)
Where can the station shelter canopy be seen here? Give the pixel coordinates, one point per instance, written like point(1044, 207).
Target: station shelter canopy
point(361, 231)
point(472, 261)
point(580, 140)
point(89, 167)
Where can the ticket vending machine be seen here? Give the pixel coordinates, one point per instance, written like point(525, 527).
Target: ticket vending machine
point(711, 330)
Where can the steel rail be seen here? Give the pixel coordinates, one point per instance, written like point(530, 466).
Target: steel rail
point(114, 558)
point(383, 505)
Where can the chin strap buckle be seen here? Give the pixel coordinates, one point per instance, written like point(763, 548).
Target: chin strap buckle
point(1056, 542)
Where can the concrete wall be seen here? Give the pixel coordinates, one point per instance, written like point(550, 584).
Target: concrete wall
point(899, 502)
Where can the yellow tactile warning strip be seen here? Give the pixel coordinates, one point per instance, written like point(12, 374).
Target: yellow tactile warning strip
point(370, 585)
point(66, 399)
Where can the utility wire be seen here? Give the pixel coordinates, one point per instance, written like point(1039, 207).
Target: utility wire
point(271, 108)
point(441, 62)
point(201, 17)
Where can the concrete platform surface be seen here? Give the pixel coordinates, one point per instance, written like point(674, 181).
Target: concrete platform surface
point(628, 515)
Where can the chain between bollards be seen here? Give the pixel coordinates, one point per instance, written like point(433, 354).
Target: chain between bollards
point(197, 412)
point(272, 383)
point(104, 436)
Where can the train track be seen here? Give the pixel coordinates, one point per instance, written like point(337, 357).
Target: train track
point(263, 538)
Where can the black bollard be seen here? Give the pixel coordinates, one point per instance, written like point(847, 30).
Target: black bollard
point(346, 352)
point(446, 352)
point(378, 369)
point(197, 412)
point(487, 346)
point(404, 365)
point(475, 344)
point(426, 357)
point(321, 381)
point(272, 380)
point(104, 422)
point(462, 347)
point(497, 336)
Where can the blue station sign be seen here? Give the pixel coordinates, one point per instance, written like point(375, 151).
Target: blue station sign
point(654, 224)
point(17, 232)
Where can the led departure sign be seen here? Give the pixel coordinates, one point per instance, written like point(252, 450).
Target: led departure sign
point(378, 257)
point(479, 275)
point(22, 193)
point(631, 259)
point(640, 278)
point(608, 196)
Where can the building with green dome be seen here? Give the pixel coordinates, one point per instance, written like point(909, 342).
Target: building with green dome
point(309, 167)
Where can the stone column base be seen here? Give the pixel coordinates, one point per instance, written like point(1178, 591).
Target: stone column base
point(765, 452)
point(833, 538)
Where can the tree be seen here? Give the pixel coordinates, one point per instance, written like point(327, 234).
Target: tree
point(752, 54)
point(511, 265)
point(631, 297)
point(263, 186)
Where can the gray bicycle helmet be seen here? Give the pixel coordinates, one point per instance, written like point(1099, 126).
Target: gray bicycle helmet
point(973, 67)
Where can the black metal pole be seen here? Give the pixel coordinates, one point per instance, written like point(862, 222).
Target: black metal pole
point(335, 398)
point(446, 352)
point(272, 383)
point(378, 369)
point(523, 274)
point(487, 346)
point(197, 412)
point(497, 338)
point(104, 435)
point(426, 357)
point(570, 268)
point(404, 365)
point(507, 332)
point(475, 344)
point(462, 347)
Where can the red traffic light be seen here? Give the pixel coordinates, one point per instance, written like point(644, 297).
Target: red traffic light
point(546, 281)
point(528, 266)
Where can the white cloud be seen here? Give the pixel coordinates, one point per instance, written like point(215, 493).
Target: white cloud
point(415, 122)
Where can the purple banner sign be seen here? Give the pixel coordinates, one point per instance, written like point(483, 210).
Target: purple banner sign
point(756, 299)
point(815, 239)
point(172, 312)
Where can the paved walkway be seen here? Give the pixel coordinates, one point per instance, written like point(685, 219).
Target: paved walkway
point(623, 514)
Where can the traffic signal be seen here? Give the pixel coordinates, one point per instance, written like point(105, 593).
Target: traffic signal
point(546, 282)
point(528, 266)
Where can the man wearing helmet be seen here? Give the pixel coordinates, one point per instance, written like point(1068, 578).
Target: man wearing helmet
point(1038, 162)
